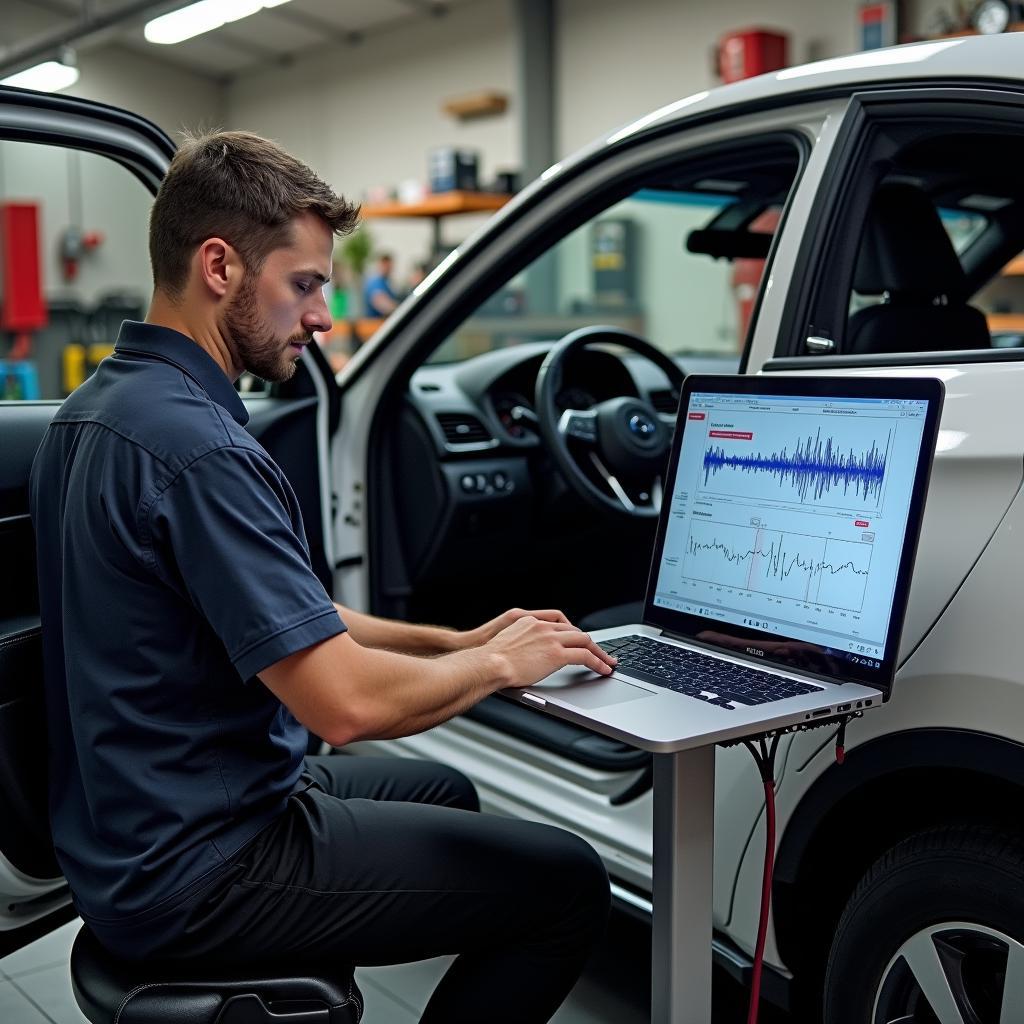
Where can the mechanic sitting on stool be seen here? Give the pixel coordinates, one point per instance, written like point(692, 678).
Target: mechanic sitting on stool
point(187, 637)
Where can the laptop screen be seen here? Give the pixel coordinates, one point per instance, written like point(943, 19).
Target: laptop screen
point(788, 517)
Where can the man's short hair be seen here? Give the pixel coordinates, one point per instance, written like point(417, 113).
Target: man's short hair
point(239, 187)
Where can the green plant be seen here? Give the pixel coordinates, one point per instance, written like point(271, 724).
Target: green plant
point(355, 250)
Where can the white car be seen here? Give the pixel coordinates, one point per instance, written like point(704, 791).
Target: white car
point(857, 216)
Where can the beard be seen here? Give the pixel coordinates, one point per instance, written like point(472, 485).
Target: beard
point(260, 350)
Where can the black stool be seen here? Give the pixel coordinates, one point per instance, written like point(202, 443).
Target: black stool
point(113, 991)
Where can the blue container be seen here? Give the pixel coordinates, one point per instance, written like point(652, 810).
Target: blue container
point(19, 380)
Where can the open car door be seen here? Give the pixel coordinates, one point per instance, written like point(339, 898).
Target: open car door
point(79, 167)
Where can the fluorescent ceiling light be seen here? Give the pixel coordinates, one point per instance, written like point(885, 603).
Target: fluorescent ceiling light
point(201, 17)
point(49, 76)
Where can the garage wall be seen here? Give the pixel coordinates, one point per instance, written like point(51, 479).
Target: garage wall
point(368, 114)
point(618, 61)
point(168, 95)
point(92, 193)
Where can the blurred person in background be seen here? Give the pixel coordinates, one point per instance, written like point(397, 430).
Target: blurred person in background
point(379, 297)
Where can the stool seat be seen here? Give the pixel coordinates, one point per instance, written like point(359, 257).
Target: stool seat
point(110, 990)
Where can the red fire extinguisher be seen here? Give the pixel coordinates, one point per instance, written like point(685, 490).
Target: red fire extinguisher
point(751, 51)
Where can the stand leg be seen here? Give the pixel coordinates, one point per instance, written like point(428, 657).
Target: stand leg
point(684, 827)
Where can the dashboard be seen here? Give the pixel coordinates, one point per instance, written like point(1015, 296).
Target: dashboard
point(474, 492)
point(487, 403)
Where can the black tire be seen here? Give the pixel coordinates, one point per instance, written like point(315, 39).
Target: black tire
point(956, 893)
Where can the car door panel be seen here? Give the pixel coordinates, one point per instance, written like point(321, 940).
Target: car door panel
point(31, 885)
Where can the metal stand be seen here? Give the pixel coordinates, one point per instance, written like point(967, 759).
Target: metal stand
point(683, 873)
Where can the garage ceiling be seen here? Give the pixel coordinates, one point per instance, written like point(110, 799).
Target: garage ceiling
point(35, 30)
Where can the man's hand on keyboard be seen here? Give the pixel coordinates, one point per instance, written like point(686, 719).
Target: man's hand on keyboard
point(533, 648)
point(489, 630)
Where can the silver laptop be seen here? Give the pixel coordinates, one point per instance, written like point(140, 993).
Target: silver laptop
point(781, 566)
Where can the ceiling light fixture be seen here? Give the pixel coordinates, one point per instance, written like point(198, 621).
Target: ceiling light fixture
point(204, 16)
point(50, 76)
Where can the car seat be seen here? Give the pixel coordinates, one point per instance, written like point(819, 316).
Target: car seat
point(906, 255)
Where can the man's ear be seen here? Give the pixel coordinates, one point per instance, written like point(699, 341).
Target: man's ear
point(218, 266)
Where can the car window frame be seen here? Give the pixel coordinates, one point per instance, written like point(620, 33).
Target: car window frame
point(824, 267)
point(65, 122)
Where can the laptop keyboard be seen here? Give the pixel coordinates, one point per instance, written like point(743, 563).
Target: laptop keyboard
point(718, 682)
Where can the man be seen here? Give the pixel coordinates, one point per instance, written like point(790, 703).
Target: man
point(379, 297)
point(186, 638)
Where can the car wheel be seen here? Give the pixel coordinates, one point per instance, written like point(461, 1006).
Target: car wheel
point(934, 932)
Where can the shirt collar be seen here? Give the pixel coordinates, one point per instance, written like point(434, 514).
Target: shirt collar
point(170, 346)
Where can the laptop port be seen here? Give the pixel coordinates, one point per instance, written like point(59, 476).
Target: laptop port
point(843, 707)
point(820, 712)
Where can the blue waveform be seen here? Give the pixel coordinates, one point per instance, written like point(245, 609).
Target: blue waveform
point(815, 463)
point(777, 562)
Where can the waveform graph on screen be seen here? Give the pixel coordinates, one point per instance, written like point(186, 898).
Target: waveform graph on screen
point(845, 466)
point(802, 567)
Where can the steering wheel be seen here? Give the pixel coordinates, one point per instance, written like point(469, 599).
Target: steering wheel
point(625, 440)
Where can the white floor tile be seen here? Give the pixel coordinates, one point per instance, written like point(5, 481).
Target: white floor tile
point(50, 989)
point(51, 949)
point(592, 1002)
point(16, 1009)
point(410, 984)
point(378, 1005)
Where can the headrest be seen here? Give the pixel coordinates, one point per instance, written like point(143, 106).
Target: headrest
point(905, 249)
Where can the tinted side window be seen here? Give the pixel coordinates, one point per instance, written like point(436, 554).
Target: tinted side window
point(920, 255)
point(73, 264)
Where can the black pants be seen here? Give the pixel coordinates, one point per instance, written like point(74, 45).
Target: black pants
point(384, 862)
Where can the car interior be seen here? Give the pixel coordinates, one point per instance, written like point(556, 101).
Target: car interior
point(479, 512)
point(482, 502)
point(935, 268)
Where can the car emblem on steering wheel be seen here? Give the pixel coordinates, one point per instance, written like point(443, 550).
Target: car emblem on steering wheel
point(642, 425)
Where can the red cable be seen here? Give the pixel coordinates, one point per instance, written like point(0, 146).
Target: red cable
point(766, 899)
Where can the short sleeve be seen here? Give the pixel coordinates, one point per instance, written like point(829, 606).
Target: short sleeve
point(227, 535)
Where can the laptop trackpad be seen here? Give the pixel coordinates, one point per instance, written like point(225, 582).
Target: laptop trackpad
point(590, 693)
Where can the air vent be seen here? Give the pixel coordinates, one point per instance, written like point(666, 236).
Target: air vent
point(461, 428)
point(665, 401)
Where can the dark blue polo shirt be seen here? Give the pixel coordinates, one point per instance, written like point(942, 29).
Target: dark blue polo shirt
point(173, 567)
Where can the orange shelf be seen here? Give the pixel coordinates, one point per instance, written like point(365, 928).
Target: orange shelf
point(363, 329)
point(440, 205)
point(476, 104)
point(1005, 321)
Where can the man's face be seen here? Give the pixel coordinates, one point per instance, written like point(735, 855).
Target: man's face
point(274, 313)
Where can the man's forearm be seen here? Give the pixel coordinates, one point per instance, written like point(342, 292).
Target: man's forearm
point(407, 696)
point(406, 637)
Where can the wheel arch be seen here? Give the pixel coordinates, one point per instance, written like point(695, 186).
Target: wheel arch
point(887, 789)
